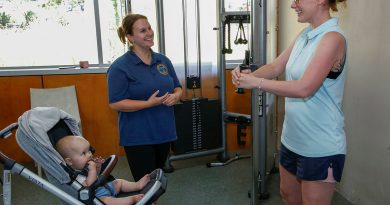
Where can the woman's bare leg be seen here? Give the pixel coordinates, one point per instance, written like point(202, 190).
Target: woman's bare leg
point(290, 187)
point(317, 192)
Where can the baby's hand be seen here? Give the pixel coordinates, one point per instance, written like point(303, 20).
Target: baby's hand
point(91, 165)
point(98, 161)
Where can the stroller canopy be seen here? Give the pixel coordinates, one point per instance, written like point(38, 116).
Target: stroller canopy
point(32, 137)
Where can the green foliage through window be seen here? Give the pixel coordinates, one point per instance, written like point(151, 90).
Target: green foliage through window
point(4, 20)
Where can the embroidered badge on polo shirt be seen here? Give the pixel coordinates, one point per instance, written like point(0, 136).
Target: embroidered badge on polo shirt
point(162, 69)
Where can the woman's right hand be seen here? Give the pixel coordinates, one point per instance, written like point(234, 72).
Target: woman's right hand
point(154, 100)
point(236, 74)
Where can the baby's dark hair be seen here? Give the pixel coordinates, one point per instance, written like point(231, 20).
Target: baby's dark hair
point(333, 4)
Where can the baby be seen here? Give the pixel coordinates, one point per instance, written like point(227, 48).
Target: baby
point(77, 154)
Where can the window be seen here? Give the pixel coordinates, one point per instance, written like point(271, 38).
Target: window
point(240, 7)
point(237, 5)
point(48, 33)
point(51, 33)
point(174, 34)
point(148, 9)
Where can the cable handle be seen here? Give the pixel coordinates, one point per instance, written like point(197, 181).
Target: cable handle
point(242, 67)
point(245, 65)
point(243, 41)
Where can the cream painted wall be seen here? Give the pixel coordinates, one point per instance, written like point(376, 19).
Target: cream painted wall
point(289, 28)
point(366, 179)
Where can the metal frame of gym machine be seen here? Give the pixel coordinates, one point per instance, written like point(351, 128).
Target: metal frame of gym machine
point(221, 151)
point(161, 36)
point(263, 159)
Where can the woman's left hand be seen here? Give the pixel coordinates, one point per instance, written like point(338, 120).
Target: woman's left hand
point(171, 99)
point(247, 81)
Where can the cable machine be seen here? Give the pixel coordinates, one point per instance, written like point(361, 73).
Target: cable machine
point(261, 154)
point(198, 120)
point(263, 157)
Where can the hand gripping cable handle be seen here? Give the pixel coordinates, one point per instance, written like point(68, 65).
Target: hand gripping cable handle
point(245, 65)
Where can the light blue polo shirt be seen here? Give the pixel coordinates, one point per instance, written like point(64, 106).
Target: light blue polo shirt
point(314, 126)
point(130, 78)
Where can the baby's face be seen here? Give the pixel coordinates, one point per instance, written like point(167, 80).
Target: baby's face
point(81, 153)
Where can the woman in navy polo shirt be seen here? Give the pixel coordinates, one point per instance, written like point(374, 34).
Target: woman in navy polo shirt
point(313, 139)
point(143, 87)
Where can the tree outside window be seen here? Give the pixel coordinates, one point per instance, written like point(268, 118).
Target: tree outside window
point(49, 33)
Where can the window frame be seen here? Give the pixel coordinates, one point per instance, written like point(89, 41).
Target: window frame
point(125, 7)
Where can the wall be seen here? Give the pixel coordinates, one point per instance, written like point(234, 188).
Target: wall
point(99, 122)
point(367, 101)
point(14, 101)
point(366, 178)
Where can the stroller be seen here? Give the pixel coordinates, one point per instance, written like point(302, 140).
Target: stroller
point(37, 131)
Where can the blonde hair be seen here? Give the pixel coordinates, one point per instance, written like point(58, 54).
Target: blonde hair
point(127, 26)
point(333, 4)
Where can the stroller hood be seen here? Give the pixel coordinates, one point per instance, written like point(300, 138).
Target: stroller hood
point(33, 139)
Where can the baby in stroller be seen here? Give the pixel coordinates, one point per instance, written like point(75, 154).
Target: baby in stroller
point(77, 154)
point(39, 131)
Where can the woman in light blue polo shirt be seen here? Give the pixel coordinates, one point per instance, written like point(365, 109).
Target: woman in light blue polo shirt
point(313, 139)
point(143, 87)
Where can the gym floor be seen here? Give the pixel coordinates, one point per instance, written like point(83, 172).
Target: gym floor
point(192, 183)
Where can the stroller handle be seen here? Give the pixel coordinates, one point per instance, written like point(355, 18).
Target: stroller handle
point(6, 132)
point(109, 165)
point(8, 162)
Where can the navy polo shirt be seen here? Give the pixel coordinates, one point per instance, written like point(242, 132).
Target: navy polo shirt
point(130, 78)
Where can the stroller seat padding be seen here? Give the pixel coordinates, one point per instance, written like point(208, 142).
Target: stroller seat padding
point(32, 137)
point(39, 130)
point(59, 131)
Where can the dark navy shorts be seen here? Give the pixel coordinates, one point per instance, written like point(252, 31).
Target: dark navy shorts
point(311, 168)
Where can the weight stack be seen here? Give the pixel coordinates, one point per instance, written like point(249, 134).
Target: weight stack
point(198, 126)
